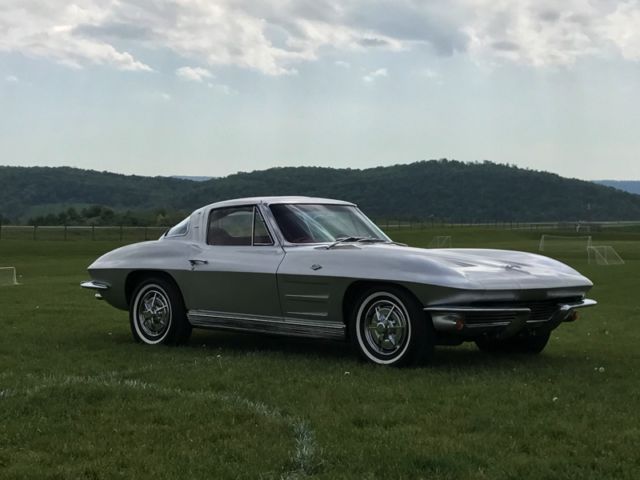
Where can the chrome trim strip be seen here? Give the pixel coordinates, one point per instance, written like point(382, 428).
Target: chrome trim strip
point(487, 325)
point(310, 314)
point(267, 324)
point(95, 285)
point(545, 320)
point(587, 302)
point(511, 326)
point(308, 298)
point(477, 309)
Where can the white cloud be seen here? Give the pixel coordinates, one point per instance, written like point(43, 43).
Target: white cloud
point(11, 79)
point(622, 28)
point(543, 33)
point(272, 36)
point(342, 64)
point(267, 36)
point(40, 28)
point(193, 74)
point(372, 76)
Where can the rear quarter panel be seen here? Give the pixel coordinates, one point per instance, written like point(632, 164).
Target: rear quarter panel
point(169, 256)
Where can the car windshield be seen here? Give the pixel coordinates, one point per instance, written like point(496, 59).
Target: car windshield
point(316, 223)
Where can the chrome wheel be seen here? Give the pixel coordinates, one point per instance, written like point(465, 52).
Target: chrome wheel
point(385, 326)
point(152, 313)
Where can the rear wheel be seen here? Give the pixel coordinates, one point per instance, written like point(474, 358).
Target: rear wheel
point(529, 343)
point(157, 314)
point(387, 326)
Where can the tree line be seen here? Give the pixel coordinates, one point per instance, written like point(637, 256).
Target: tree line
point(434, 190)
point(100, 215)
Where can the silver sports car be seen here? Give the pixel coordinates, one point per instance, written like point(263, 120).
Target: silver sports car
point(314, 267)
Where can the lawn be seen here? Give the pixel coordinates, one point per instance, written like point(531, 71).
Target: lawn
point(79, 399)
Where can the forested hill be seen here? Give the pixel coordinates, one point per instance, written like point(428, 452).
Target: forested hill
point(27, 191)
point(437, 189)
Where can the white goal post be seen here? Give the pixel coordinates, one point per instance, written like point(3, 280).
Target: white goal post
point(604, 255)
point(440, 241)
point(564, 243)
point(8, 276)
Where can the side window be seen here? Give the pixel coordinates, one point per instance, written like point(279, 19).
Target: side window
point(260, 233)
point(230, 226)
point(237, 226)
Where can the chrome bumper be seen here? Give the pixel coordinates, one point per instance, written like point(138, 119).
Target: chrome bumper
point(505, 321)
point(97, 286)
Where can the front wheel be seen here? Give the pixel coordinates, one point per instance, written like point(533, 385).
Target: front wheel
point(388, 327)
point(529, 343)
point(157, 314)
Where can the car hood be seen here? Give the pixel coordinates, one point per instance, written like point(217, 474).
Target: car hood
point(507, 269)
point(473, 268)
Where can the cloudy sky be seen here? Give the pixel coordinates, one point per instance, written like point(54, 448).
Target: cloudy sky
point(210, 87)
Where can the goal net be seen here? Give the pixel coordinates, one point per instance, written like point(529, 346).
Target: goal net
point(441, 241)
point(604, 255)
point(564, 243)
point(8, 276)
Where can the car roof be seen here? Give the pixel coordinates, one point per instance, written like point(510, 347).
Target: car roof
point(275, 200)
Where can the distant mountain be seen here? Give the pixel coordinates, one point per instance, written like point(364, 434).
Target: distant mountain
point(631, 186)
point(436, 189)
point(192, 178)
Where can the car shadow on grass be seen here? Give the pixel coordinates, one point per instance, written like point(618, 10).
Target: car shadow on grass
point(464, 357)
point(461, 357)
point(248, 342)
point(468, 358)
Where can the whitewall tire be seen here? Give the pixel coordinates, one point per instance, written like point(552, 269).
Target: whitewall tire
point(389, 327)
point(157, 313)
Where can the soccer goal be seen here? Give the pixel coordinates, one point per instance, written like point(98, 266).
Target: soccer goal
point(604, 255)
point(8, 276)
point(441, 241)
point(564, 243)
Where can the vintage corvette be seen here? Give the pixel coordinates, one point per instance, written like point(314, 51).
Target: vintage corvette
point(320, 268)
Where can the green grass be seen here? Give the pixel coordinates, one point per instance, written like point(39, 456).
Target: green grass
point(78, 399)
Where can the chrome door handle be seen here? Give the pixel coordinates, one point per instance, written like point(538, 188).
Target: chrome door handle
point(198, 262)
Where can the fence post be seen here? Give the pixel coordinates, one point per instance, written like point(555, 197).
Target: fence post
point(93, 231)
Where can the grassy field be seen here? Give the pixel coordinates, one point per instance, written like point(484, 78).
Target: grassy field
point(78, 399)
